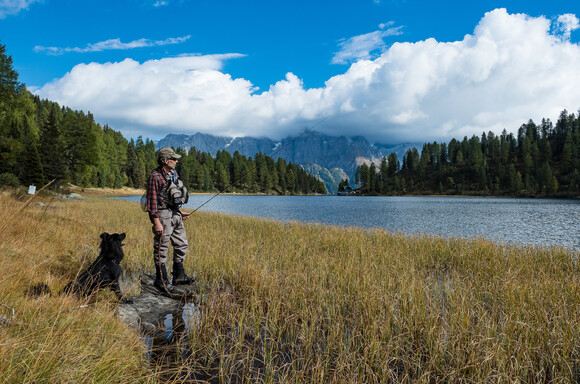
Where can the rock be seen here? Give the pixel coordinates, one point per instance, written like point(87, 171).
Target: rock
point(150, 309)
point(163, 322)
point(72, 196)
point(4, 320)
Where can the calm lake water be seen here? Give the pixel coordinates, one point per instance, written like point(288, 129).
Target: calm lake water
point(508, 220)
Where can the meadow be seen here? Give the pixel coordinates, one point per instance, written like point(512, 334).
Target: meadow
point(288, 302)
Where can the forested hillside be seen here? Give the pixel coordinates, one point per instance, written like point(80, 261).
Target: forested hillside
point(41, 141)
point(542, 160)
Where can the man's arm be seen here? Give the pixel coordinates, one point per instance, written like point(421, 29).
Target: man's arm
point(153, 185)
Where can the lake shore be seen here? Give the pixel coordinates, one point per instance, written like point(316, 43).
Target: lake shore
point(126, 191)
point(289, 302)
point(542, 222)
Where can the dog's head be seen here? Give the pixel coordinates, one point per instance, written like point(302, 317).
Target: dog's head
point(111, 246)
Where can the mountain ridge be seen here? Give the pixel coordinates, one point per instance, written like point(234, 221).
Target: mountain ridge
point(331, 158)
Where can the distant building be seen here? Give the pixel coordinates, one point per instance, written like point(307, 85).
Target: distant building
point(347, 191)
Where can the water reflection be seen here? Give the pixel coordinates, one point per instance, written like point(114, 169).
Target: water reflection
point(167, 349)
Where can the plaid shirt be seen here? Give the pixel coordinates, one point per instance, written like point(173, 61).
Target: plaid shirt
point(155, 184)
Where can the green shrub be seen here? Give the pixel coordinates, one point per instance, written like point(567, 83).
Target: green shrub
point(8, 179)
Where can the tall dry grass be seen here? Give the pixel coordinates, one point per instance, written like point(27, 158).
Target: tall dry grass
point(294, 303)
point(55, 338)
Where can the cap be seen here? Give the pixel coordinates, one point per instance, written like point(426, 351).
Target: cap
point(167, 153)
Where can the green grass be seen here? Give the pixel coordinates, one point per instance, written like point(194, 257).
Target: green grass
point(294, 303)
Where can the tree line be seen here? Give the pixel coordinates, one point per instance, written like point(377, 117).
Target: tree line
point(41, 141)
point(200, 171)
point(541, 160)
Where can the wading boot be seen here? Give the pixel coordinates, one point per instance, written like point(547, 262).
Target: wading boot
point(179, 276)
point(161, 280)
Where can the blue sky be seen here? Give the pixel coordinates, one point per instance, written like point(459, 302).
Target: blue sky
point(391, 70)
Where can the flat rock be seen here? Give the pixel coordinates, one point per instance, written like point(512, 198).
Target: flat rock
point(152, 307)
point(72, 196)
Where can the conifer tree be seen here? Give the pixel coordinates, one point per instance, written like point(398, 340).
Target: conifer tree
point(52, 148)
point(373, 178)
point(9, 84)
point(566, 161)
point(222, 176)
point(31, 165)
point(383, 178)
point(134, 168)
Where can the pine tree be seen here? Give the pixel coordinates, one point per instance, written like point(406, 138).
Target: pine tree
point(9, 84)
point(553, 186)
point(383, 177)
point(265, 177)
point(281, 166)
point(364, 177)
point(134, 168)
point(31, 165)
point(546, 176)
point(291, 180)
point(566, 161)
point(52, 148)
point(373, 178)
point(222, 176)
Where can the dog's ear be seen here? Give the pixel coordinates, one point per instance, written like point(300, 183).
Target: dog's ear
point(122, 236)
point(104, 235)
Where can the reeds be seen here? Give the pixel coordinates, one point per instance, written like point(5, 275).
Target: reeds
point(294, 303)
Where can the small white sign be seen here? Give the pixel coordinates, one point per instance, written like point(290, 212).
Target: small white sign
point(31, 189)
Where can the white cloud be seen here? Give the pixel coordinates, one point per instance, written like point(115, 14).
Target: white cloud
point(112, 44)
point(567, 23)
point(511, 69)
point(12, 7)
point(362, 46)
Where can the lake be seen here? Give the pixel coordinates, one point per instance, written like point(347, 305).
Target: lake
point(507, 220)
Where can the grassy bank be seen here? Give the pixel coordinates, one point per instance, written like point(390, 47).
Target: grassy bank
point(292, 303)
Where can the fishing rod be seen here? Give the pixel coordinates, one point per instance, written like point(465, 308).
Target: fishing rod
point(258, 164)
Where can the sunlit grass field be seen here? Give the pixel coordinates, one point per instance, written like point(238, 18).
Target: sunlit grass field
point(289, 303)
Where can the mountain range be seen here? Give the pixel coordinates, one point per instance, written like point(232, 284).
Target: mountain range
point(331, 158)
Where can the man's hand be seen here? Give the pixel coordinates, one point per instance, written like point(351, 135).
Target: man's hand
point(157, 227)
point(185, 215)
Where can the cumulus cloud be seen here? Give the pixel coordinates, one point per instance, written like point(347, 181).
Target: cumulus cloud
point(512, 68)
point(112, 44)
point(567, 23)
point(12, 7)
point(362, 46)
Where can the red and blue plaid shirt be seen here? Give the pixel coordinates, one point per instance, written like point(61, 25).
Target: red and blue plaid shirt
point(156, 183)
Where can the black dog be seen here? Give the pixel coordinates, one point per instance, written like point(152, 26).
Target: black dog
point(104, 272)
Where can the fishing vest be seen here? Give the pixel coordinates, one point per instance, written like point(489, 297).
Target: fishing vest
point(174, 195)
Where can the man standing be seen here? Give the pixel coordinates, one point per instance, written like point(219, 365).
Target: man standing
point(165, 195)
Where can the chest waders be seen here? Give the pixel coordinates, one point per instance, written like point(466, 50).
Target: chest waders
point(170, 199)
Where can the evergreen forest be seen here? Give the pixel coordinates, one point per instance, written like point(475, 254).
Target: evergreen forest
point(41, 141)
point(542, 160)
